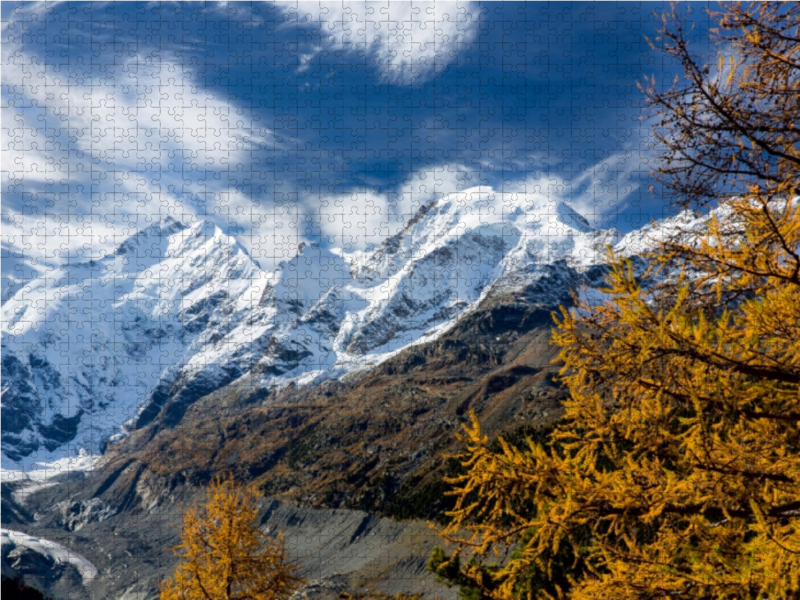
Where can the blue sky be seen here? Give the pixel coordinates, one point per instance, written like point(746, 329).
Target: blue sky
point(329, 122)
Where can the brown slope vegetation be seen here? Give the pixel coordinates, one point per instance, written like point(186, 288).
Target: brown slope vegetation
point(376, 441)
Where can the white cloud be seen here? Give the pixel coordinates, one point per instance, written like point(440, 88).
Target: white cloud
point(144, 112)
point(601, 189)
point(360, 220)
point(408, 41)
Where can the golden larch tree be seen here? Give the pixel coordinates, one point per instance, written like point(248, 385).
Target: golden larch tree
point(676, 469)
point(224, 555)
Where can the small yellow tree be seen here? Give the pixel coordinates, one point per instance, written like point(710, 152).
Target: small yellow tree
point(224, 556)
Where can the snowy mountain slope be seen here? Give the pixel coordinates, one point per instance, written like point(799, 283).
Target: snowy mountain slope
point(84, 349)
point(18, 269)
point(178, 311)
point(648, 237)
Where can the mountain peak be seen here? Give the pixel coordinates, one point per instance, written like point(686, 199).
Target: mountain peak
point(164, 227)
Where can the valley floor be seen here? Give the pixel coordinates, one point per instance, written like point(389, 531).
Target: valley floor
point(81, 548)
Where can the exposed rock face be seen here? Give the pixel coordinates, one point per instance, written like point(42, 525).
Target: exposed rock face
point(373, 441)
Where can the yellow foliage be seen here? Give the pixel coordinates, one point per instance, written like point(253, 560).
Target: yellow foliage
point(224, 556)
point(676, 470)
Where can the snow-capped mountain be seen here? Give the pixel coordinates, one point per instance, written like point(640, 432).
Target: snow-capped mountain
point(83, 348)
point(178, 311)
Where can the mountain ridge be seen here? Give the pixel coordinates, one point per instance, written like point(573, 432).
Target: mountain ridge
point(177, 311)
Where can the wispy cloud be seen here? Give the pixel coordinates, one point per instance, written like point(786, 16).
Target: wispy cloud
point(408, 42)
point(91, 153)
point(141, 113)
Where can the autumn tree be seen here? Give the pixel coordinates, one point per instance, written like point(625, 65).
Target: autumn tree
point(224, 555)
point(676, 469)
